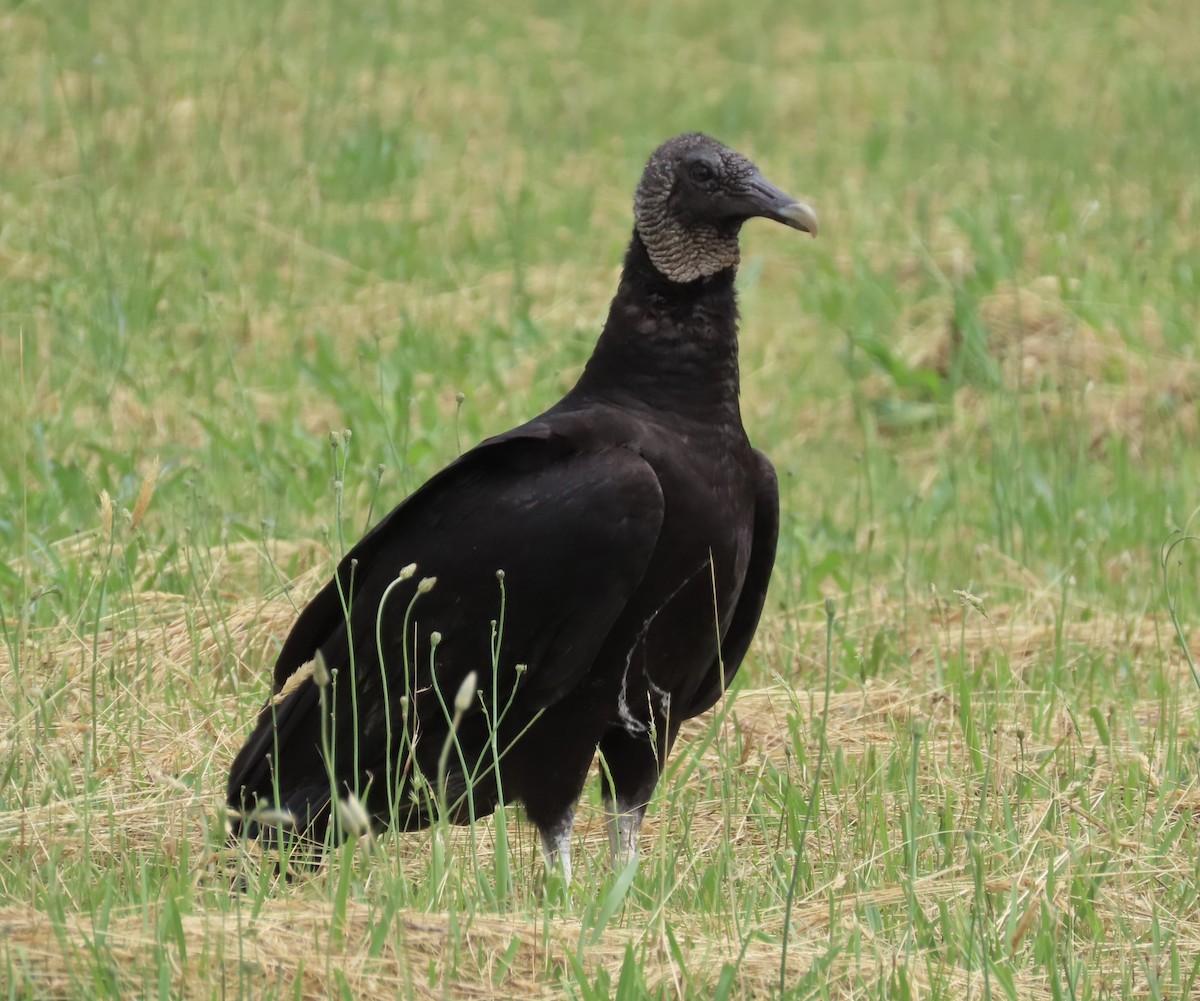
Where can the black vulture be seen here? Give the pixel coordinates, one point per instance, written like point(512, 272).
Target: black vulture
point(588, 580)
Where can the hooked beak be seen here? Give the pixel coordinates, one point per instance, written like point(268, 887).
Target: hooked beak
point(767, 201)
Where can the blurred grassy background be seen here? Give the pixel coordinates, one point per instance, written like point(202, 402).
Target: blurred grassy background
point(227, 229)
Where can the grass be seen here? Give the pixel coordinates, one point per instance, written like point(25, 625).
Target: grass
point(227, 230)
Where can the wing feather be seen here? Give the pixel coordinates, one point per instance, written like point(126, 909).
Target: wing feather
point(572, 531)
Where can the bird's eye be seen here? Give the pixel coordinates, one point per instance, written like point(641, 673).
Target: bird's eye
point(701, 172)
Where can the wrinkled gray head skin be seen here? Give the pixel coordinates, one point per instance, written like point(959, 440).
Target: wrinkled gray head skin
point(692, 200)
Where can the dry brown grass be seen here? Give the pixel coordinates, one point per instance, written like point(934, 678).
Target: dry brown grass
point(1065, 369)
point(264, 953)
point(148, 787)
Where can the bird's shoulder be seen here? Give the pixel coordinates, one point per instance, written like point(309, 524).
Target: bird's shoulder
point(559, 483)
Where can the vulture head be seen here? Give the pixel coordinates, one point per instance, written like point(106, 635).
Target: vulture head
point(692, 200)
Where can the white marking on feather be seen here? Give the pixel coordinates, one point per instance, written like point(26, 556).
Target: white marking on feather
point(664, 697)
point(634, 726)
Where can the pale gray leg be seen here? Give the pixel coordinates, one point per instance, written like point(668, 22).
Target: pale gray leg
point(624, 823)
point(556, 845)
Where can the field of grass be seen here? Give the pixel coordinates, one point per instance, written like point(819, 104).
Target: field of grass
point(962, 759)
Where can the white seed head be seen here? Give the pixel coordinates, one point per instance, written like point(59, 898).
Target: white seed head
point(353, 816)
point(407, 572)
point(270, 817)
point(106, 514)
point(466, 692)
point(426, 585)
point(967, 598)
point(320, 671)
point(435, 638)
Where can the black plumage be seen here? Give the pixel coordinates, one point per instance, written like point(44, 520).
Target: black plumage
point(601, 569)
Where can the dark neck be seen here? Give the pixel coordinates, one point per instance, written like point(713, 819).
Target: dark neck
point(667, 345)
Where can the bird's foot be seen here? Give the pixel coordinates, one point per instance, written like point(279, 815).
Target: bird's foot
point(624, 823)
point(556, 846)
